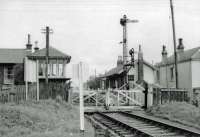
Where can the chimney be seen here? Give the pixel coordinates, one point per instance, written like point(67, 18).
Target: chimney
point(119, 61)
point(29, 45)
point(140, 65)
point(180, 45)
point(140, 54)
point(36, 48)
point(164, 54)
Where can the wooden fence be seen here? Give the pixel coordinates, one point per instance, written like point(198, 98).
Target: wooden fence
point(18, 93)
point(54, 90)
point(165, 95)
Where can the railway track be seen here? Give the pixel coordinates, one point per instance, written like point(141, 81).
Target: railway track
point(130, 125)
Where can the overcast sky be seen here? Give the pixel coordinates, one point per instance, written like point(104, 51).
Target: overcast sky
point(89, 30)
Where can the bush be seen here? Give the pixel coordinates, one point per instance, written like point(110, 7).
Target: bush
point(45, 118)
point(178, 111)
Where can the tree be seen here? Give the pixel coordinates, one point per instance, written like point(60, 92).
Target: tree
point(93, 83)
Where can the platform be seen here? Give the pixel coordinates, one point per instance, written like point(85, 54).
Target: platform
point(112, 108)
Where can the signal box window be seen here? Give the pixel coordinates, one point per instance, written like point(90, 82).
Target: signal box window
point(130, 77)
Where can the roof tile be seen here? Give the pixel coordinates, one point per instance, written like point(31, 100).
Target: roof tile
point(12, 55)
point(184, 56)
point(52, 53)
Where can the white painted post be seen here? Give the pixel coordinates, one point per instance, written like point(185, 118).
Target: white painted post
point(126, 97)
point(57, 68)
point(150, 97)
point(81, 99)
point(37, 81)
point(96, 99)
point(64, 65)
point(108, 97)
point(26, 78)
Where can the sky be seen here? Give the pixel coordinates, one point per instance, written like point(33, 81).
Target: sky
point(89, 30)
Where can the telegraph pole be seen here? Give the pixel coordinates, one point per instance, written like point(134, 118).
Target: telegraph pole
point(123, 22)
point(174, 40)
point(47, 31)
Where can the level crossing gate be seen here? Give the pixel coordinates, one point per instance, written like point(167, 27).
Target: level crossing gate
point(113, 98)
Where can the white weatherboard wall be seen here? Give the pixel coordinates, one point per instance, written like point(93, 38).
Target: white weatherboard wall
point(195, 74)
point(30, 67)
point(133, 71)
point(184, 75)
point(149, 74)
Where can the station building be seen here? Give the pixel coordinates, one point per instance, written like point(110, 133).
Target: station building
point(139, 71)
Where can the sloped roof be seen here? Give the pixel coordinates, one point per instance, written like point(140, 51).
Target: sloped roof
point(119, 69)
point(12, 55)
point(53, 53)
point(148, 64)
point(114, 71)
point(181, 57)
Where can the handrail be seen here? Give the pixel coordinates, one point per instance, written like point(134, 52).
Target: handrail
point(122, 86)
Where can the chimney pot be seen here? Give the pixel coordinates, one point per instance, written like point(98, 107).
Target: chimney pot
point(119, 61)
point(164, 53)
point(29, 39)
point(140, 65)
point(140, 54)
point(180, 41)
point(29, 45)
point(36, 49)
point(36, 46)
point(140, 49)
point(180, 45)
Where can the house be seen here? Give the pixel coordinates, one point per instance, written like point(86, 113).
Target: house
point(188, 64)
point(18, 66)
point(11, 60)
point(142, 70)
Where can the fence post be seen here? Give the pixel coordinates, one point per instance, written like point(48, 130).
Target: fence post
point(161, 97)
point(69, 96)
point(37, 82)
point(25, 75)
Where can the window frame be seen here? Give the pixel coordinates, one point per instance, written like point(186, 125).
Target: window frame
point(8, 78)
point(172, 73)
point(131, 77)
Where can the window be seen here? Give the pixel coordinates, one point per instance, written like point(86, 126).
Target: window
point(54, 69)
point(158, 75)
point(41, 68)
point(49, 69)
point(8, 75)
point(60, 70)
point(172, 73)
point(130, 77)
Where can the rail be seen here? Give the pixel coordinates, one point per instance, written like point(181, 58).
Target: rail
point(128, 124)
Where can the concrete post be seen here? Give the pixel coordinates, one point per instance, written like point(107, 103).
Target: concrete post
point(26, 77)
point(82, 128)
point(37, 81)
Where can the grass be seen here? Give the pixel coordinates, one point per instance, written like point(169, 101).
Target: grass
point(181, 112)
point(46, 118)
